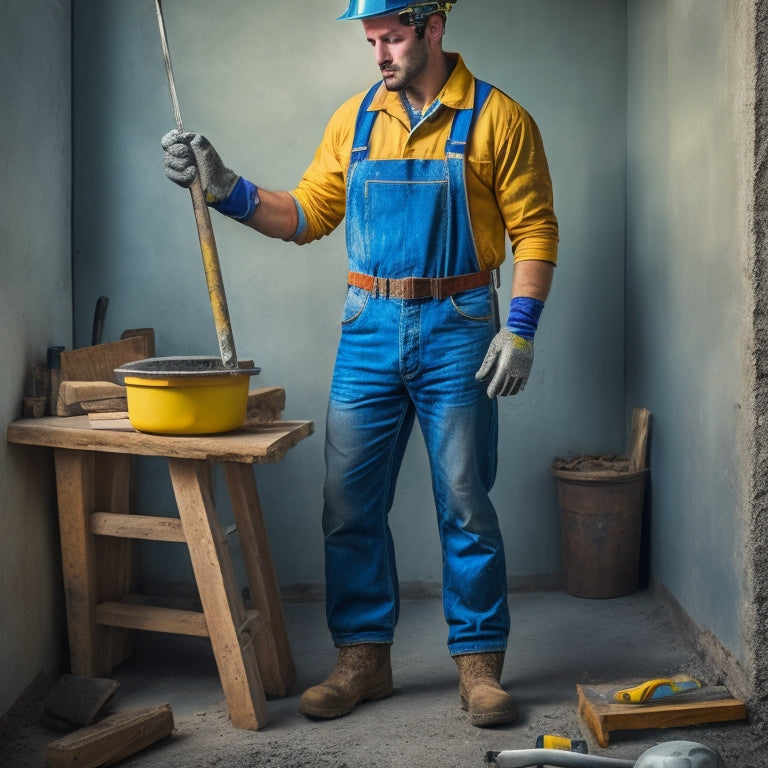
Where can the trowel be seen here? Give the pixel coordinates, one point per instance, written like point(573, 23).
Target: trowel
point(658, 688)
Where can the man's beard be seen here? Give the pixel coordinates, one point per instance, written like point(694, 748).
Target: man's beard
point(407, 72)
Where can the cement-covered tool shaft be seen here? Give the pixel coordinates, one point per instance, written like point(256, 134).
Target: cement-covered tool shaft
point(204, 228)
point(523, 758)
point(213, 276)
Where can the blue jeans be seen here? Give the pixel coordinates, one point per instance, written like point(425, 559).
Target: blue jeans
point(400, 359)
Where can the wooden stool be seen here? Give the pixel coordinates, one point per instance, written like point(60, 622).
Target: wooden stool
point(93, 478)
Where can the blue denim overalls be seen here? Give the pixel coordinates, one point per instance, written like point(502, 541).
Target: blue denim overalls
point(399, 358)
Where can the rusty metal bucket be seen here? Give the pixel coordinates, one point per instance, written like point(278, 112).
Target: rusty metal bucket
point(601, 515)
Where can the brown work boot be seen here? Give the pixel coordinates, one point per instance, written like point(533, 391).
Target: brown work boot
point(480, 690)
point(362, 673)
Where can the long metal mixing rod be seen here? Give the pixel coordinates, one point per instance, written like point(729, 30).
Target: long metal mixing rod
point(522, 758)
point(168, 69)
point(210, 254)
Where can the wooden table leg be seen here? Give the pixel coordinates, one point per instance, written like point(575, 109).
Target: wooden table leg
point(274, 653)
point(224, 613)
point(114, 556)
point(93, 570)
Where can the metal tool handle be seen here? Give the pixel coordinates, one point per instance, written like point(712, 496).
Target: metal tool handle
point(210, 254)
point(523, 758)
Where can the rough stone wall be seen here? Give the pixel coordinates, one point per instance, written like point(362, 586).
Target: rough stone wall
point(757, 633)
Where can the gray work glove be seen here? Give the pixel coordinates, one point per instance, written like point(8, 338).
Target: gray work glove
point(186, 153)
point(507, 364)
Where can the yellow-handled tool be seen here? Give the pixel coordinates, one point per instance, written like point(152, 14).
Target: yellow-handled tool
point(658, 688)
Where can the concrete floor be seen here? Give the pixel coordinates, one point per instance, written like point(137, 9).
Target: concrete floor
point(556, 642)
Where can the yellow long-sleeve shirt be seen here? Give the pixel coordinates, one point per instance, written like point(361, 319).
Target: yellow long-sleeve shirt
point(507, 176)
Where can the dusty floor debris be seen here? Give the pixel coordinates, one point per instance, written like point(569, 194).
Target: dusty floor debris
point(557, 642)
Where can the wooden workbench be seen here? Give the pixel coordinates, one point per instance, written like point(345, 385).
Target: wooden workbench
point(96, 525)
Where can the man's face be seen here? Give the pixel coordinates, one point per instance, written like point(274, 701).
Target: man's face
point(400, 54)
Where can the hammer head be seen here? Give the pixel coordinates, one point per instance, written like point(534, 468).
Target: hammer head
point(680, 754)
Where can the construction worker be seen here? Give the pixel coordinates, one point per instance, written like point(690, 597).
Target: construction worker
point(430, 167)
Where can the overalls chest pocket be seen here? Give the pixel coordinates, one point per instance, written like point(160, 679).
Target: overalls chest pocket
point(406, 219)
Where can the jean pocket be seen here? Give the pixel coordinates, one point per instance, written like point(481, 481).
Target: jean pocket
point(354, 304)
point(476, 304)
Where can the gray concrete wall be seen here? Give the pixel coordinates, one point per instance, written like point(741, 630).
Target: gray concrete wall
point(36, 311)
point(689, 295)
point(261, 80)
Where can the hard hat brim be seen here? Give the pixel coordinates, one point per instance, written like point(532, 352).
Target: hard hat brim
point(350, 16)
point(369, 9)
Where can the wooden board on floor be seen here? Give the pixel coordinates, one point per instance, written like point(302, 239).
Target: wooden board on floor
point(111, 739)
point(603, 715)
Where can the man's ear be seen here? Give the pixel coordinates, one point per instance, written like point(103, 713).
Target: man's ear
point(434, 28)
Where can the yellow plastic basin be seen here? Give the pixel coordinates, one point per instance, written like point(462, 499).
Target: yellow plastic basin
point(185, 396)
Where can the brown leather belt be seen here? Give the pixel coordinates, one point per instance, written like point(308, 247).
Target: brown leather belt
point(419, 287)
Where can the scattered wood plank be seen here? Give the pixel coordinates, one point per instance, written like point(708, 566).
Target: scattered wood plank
point(112, 739)
point(98, 363)
point(78, 397)
point(78, 701)
point(265, 405)
point(118, 420)
point(711, 704)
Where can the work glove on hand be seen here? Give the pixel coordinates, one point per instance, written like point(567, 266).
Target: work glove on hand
point(187, 153)
point(509, 358)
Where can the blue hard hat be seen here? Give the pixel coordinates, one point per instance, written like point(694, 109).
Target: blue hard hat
point(363, 9)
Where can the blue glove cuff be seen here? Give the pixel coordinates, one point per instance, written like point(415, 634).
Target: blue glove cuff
point(241, 202)
point(524, 314)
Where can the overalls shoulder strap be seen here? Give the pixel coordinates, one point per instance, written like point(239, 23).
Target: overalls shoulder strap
point(364, 125)
point(462, 124)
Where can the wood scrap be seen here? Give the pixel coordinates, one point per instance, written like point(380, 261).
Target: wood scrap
point(34, 407)
point(148, 334)
point(710, 704)
point(265, 405)
point(98, 363)
point(112, 739)
point(77, 701)
point(638, 441)
point(78, 397)
point(110, 420)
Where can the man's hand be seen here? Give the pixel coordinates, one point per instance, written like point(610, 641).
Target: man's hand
point(507, 364)
point(186, 153)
